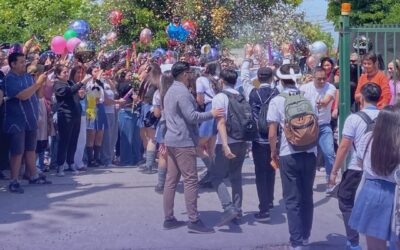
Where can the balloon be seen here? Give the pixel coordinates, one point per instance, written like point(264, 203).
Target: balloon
point(145, 36)
point(58, 45)
point(15, 48)
point(81, 27)
point(116, 17)
point(70, 34)
point(205, 49)
point(190, 27)
point(172, 43)
point(300, 44)
point(111, 37)
point(109, 59)
point(318, 49)
point(72, 43)
point(177, 33)
point(213, 54)
point(85, 51)
point(160, 52)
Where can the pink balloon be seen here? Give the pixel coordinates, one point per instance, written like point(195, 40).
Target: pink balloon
point(72, 43)
point(58, 45)
point(145, 36)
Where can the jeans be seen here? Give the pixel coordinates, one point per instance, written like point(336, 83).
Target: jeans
point(131, 146)
point(325, 142)
point(53, 150)
point(298, 173)
point(265, 175)
point(109, 140)
point(68, 131)
point(181, 161)
point(232, 169)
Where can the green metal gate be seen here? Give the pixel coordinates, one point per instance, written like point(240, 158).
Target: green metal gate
point(386, 42)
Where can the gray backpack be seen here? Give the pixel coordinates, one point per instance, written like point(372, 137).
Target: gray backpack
point(301, 123)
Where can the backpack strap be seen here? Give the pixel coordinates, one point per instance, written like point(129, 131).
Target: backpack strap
point(269, 98)
point(365, 117)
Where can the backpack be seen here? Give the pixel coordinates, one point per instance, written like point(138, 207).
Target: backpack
point(240, 124)
point(301, 124)
point(370, 123)
point(262, 123)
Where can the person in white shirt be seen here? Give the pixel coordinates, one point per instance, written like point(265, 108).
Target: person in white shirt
point(322, 94)
point(229, 155)
point(297, 168)
point(354, 128)
point(380, 159)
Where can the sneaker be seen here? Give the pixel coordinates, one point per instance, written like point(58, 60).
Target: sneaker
point(173, 223)
point(262, 216)
point(199, 228)
point(149, 171)
point(40, 180)
point(73, 169)
point(159, 189)
point(82, 169)
point(60, 171)
point(15, 187)
point(306, 242)
point(330, 190)
point(353, 247)
point(238, 220)
point(228, 215)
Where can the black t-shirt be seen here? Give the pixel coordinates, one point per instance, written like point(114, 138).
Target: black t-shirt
point(122, 89)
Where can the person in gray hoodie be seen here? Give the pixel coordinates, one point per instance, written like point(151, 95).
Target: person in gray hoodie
point(181, 139)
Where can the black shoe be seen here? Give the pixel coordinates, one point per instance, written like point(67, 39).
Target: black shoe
point(173, 223)
point(15, 187)
point(159, 189)
point(238, 220)
point(40, 180)
point(198, 227)
point(93, 164)
point(262, 216)
point(228, 215)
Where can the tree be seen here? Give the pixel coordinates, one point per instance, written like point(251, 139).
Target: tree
point(366, 12)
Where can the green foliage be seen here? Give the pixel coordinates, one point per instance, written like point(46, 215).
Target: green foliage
point(366, 12)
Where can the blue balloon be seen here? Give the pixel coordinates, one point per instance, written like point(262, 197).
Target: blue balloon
point(177, 33)
point(81, 27)
point(45, 55)
point(160, 52)
point(213, 55)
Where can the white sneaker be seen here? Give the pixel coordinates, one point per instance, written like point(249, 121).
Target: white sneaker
point(60, 172)
point(74, 171)
point(306, 242)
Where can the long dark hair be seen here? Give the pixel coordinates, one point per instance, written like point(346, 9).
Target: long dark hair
point(152, 79)
point(73, 72)
point(58, 69)
point(385, 149)
point(166, 81)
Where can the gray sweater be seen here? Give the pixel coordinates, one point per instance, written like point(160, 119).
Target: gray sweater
point(181, 117)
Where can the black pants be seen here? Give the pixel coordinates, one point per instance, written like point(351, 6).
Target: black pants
point(346, 195)
point(68, 132)
point(232, 169)
point(265, 175)
point(298, 174)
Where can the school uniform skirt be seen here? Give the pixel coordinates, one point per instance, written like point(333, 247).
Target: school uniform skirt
point(373, 209)
point(100, 122)
point(208, 128)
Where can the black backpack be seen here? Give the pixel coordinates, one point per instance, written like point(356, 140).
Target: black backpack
point(262, 115)
point(240, 124)
point(370, 123)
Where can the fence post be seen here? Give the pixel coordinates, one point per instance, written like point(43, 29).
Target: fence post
point(344, 64)
point(344, 67)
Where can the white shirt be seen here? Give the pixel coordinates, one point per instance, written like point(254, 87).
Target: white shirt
point(203, 86)
point(109, 94)
point(367, 166)
point(354, 129)
point(276, 113)
point(317, 94)
point(221, 101)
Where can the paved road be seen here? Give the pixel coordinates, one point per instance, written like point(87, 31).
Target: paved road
point(116, 208)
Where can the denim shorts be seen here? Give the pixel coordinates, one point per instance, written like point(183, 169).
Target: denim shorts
point(373, 208)
point(22, 141)
point(100, 122)
point(208, 128)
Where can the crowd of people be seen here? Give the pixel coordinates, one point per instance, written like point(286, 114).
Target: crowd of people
point(60, 115)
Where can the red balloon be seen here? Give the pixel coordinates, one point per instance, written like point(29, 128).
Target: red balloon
point(172, 43)
point(191, 27)
point(116, 17)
